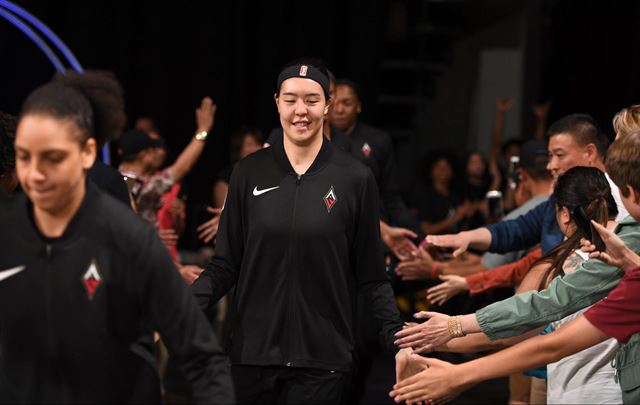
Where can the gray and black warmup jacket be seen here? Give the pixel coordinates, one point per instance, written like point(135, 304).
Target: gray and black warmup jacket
point(298, 248)
point(77, 312)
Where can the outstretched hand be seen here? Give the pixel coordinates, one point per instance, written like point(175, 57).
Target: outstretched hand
point(452, 285)
point(405, 366)
point(169, 237)
point(399, 241)
point(425, 336)
point(504, 104)
point(459, 242)
point(541, 111)
point(437, 383)
point(616, 253)
point(209, 229)
point(418, 268)
point(205, 114)
point(190, 273)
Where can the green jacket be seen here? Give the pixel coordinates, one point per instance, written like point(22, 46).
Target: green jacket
point(627, 364)
point(591, 282)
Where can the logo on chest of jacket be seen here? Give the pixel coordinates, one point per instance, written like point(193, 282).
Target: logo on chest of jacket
point(366, 150)
point(91, 279)
point(330, 199)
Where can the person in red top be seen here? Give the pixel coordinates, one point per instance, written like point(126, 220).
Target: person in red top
point(508, 275)
point(618, 314)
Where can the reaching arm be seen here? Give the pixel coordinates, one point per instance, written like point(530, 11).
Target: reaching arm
point(508, 275)
point(503, 105)
point(367, 257)
point(182, 325)
point(479, 238)
point(443, 380)
point(220, 189)
point(222, 271)
point(398, 240)
point(565, 295)
point(541, 111)
point(204, 119)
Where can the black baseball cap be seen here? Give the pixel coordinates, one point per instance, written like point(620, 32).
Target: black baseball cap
point(135, 141)
point(534, 154)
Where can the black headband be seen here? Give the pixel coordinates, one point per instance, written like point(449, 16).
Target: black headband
point(306, 72)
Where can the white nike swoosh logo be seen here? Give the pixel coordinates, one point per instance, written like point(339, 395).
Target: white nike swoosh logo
point(5, 274)
point(257, 192)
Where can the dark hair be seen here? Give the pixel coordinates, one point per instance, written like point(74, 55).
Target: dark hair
point(511, 142)
point(430, 159)
point(93, 100)
point(8, 125)
point(237, 139)
point(467, 157)
point(584, 129)
point(539, 171)
point(354, 86)
point(579, 187)
point(622, 162)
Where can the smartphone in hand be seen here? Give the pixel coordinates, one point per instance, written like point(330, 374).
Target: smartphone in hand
point(588, 230)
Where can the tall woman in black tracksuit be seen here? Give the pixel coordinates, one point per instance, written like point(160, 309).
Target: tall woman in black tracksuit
point(83, 281)
point(299, 235)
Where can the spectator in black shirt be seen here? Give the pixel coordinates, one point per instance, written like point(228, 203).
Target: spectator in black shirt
point(440, 207)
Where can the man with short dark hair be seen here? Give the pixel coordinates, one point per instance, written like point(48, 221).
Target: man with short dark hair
point(574, 140)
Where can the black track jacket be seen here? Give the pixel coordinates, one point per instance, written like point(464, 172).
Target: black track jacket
point(298, 248)
point(76, 311)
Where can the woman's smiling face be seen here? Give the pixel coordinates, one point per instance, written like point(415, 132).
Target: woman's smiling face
point(302, 107)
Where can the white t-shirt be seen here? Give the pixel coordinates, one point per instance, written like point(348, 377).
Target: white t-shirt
point(615, 192)
point(586, 377)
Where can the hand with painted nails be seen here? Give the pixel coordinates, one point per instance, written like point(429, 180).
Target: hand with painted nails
point(427, 335)
point(437, 383)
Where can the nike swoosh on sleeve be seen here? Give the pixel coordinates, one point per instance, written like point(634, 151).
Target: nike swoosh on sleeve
point(5, 274)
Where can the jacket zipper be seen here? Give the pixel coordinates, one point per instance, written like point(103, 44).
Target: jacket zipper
point(292, 273)
point(51, 341)
point(49, 299)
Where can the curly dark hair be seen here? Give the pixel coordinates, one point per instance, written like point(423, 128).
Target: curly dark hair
point(93, 100)
point(8, 125)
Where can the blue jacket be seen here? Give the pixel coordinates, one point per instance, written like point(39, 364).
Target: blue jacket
point(539, 225)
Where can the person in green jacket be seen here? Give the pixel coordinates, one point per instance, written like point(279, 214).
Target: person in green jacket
point(617, 316)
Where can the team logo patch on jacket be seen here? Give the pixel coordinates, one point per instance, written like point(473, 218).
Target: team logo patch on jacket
point(91, 279)
point(330, 199)
point(366, 150)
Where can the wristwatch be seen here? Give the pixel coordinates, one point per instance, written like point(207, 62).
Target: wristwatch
point(202, 135)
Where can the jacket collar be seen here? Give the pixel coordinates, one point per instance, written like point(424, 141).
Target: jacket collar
point(318, 163)
point(78, 220)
